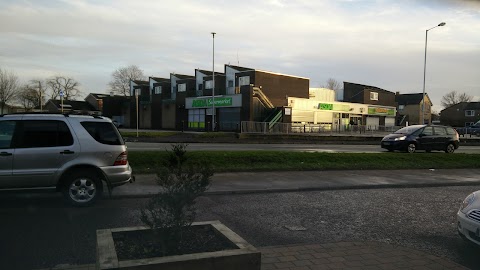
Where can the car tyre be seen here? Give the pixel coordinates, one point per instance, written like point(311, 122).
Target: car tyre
point(411, 147)
point(450, 148)
point(82, 188)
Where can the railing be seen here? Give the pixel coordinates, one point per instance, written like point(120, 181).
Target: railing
point(322, 129)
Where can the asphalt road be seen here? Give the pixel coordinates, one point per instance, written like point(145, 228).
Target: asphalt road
point(333, 148)
point(42, 232)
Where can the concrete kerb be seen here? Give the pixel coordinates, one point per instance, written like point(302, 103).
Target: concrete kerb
point(307, 189)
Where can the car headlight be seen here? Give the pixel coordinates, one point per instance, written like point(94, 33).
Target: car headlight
point(401, 138)
point(468, 201)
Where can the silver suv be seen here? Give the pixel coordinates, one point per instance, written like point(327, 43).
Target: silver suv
point(73, 154)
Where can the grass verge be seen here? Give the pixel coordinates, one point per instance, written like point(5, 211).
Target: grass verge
point(149, 134)
point(237, 161)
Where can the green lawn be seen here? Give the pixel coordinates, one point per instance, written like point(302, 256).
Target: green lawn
point(232, 161)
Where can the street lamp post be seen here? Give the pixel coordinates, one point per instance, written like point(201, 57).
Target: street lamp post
point(137, 93)
point(213, 82)
point(425, 71)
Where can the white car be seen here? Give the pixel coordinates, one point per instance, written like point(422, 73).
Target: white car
point(469, 218)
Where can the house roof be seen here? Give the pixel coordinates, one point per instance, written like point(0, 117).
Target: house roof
point(158, 79)
point(473, 106)
point(139, 82)
point(73, 105)
point(99, 96)
point(239, 68)
point(409, 99)
point(181, 76)
point(367, 86)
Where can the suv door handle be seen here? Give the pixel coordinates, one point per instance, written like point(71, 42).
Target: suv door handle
point(5, 154)
point(67, 152)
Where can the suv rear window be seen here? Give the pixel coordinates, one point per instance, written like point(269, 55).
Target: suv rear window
point(103, 132)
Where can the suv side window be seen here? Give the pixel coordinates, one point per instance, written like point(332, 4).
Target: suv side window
point(103, 132)
point(6, 133)
point(43, 133)
point(428, 131)
point(440, 131)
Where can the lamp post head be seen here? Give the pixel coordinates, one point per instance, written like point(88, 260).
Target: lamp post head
point(213, 33)
point(441, 24)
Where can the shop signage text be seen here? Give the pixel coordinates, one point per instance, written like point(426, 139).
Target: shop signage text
point(333, 107)
point(219, 102)
point(384, 111)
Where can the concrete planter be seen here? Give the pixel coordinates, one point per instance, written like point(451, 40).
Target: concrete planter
point(245, 257)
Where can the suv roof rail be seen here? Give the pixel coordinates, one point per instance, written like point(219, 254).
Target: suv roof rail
point(66, 114)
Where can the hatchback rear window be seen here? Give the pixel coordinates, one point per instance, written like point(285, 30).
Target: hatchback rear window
point(440, 131)
point(451, 131)
point(103, 132)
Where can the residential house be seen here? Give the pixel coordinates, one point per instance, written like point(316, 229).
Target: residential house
point(409, 109)
point(461, 114)
point(381, 109)
point(70, 106)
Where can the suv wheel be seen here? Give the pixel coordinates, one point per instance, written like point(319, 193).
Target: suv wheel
point(450, 148)
point(411, 148)
point(82, 188)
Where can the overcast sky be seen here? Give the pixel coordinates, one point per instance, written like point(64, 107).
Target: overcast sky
point(379, 43)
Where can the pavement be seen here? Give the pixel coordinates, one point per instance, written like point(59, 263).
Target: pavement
point(293, 181)
point(342, 255)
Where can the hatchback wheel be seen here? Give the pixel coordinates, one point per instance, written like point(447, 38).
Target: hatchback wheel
point(82, 188)
point(411, 148)
point(450, 148)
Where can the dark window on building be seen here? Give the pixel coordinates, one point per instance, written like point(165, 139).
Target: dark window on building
point(200, 87)
point(470, 113)
point(103, 132)
point(230, 83)
point(44, 133)
point(6, 133)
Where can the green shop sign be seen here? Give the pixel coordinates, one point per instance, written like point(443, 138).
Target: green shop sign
point(383, 111)
point(207, 102)
point(333, 107)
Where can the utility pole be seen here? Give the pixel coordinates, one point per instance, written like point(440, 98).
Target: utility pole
point(213, 87)
point(40, 92)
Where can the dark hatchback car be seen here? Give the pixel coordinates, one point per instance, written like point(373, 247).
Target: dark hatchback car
point(422, 137)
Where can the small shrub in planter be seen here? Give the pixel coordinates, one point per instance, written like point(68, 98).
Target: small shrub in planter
point(171, 240)
point(171, 212)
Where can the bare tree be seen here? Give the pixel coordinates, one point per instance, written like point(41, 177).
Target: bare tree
point(68, 85)
point(121, 78)
point(8, 87)
point(32, 95)
point(454, 97)
point(333, 84)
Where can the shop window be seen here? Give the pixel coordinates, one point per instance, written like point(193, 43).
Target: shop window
point(196, 118)
point(401, 107)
